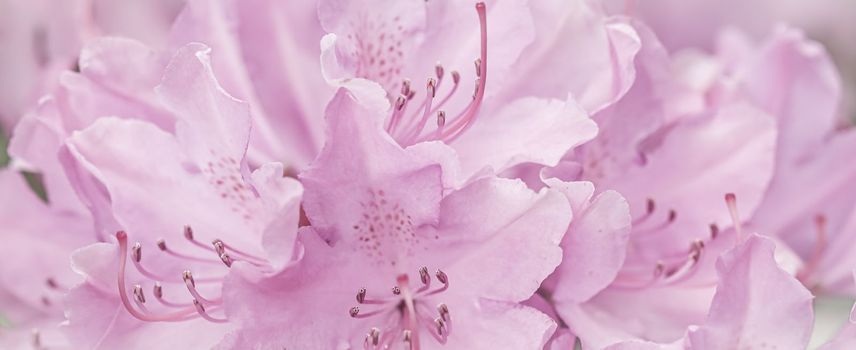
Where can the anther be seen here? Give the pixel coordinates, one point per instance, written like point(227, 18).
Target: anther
point(396, 290)
point(138, 294)
point(219, 247)
point(444, 312)
point(441, 326)
point(731, 202)
point(650, 206)
point(424, 276)
point(441, 276)
point(439, 71)
point(355, 311)
point(161, 244)
point(432, 87)
point(672, 215)
point(157, 290)
point(408, 339)
point(441, 119)
point(405, 87)
point(137, 252)
point(714, 231)
point(400, 101)
point(200, 309)
point(52, 283)
point(478, 63)
point(188, 233)
point(374, 335)
point(476, 88)
point(226, 259)
point(361, 295)
point(188, 277)
point(456, 77)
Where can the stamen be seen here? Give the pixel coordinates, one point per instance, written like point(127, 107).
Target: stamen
point(361, 295)
point(426, 279)
point(444, 312)
point(714, 231)
point(226, 259)
point(441, 123)
point(398, 111)
point(431, 88)
point(220, 247)
point(187, 276)
point(138, 294)
point(355, 312)
point(161, 243)
point(405, 87)
point(372, 338)
point(441, 276)
point(478, 67)
point(200, 309)
point(136, 259)
point(157, 291)
point(408, 339)
point(731, 202)
point(650, 206)
point(180, 315)
point(466, 118)
point(439, 71)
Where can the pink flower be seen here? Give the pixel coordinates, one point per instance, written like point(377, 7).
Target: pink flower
point(177, 192)
point(394, 257)
point(525, 108)
point(673, 151)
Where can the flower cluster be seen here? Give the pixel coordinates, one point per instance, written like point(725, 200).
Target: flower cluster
point(410, 174)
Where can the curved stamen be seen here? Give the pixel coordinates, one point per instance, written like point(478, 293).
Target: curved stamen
point(441, 276)
point(462, 123)
point(431, 88)
point(136, 258)
point(180, 315)
point(372, 339)
point(161, 243)
point(670, 219)
point(425, 277)
point(239, 254)
point(650, 207)
point(187, 277)
point(200, 309)
point(157, 291)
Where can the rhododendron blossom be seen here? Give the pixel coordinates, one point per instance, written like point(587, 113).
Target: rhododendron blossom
point(410, 174)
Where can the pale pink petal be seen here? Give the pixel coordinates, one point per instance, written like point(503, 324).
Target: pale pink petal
point(368, 163)
point(580, 50)
point(757, 304)
point(795, 81)
point(529, 130)
point(528, 226)
point(595, 245)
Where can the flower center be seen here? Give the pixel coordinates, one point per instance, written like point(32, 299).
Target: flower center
point(672, 269)
point(171, 311)
point(410, 128)
point(402, 314)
